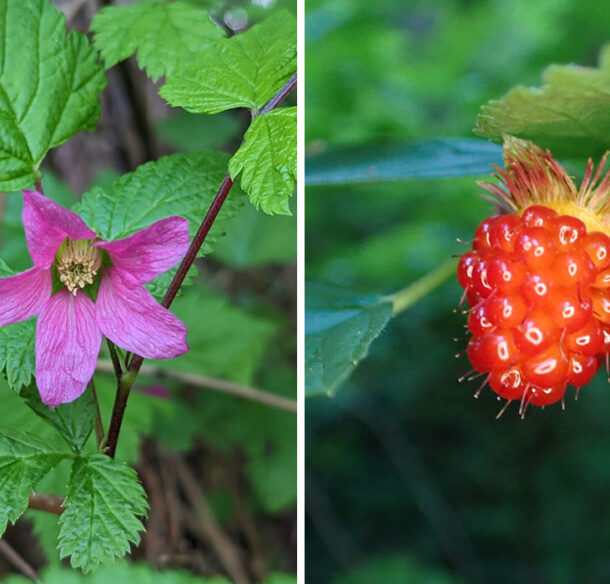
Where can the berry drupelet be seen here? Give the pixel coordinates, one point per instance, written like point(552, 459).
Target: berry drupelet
point(537, 279)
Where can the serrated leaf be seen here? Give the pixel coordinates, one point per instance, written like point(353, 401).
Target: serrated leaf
point(440, 158)
point(166, 36)
point(49, 87)
point(180, 184)
point(267, 160)
point(339, 329)
point(17, 358)
point(569, 114)
point(242, 71)
point(24, 460)
point(102, 506)
point(74, 421)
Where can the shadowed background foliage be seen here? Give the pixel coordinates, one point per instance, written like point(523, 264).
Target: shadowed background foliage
point(408, 478)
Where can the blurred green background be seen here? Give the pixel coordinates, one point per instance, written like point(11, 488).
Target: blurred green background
point(409, 479)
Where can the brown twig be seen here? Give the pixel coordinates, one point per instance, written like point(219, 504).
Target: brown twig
point(18, 562)
point(154, 537)
point(137, 103)
point(207, 526)
point(243, 514)
point(220, 385)
point(173, 503)
point(44, 502)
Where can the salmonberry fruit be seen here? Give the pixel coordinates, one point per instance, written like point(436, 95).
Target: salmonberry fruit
point(537, 279)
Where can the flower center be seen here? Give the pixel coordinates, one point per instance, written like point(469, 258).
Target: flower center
point(77, 263)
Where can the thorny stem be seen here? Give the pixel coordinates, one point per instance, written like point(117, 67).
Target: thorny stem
point(127, 379)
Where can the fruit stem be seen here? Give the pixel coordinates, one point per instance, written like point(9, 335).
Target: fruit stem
point(408, 296)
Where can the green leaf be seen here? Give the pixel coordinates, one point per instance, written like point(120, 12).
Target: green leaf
point(166, 36)
point(339, 328)
point(46, 529)
point(122, 573)
point(266, 436)
point(187, 132)
point(16, 415)
point(229, 346)
point(272, 472)
point(24, 460)
point(569, 114)
point(267, 160)
point(181, 184)
point(278, 578)
point(158, 287)
point(395, 568)
point(262, 239)
point(74, 421)
point(243, 71)
point(439, 158)
point(17, 358)
point(49, 87)
point(102, 505)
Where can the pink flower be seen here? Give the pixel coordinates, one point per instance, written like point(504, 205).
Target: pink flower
point(83, 288)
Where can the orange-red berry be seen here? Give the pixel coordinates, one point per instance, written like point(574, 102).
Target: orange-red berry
point(537, 279)
point(539, 290)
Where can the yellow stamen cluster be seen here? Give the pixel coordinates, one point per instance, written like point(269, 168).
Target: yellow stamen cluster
point(78, 263)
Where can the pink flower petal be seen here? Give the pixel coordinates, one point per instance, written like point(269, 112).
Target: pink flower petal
point(67, 344)
point(152, 251)
point(23, 295)
point(130, 317)
point(47, 225)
